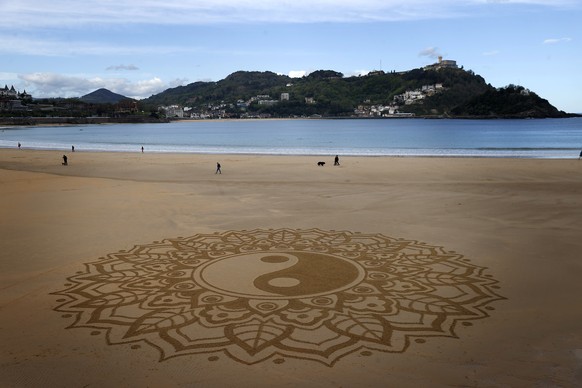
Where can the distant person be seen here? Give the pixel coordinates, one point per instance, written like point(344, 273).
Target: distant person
point(580, 155)
point(218, 171)
point(65, 162)
point(336, 161)
point(142, 149)
point(72, 148)
point(19, 145)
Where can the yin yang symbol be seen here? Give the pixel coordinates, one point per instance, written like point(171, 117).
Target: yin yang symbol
point(279, 275)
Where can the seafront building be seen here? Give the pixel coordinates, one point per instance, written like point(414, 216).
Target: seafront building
point(11, 99)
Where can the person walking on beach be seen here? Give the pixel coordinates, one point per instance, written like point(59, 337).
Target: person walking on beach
point(65, 162)
point(336, 161)
point(19, 145)
point(142, 149)
point(72, 148)
point(580, 155)
point(218, 169)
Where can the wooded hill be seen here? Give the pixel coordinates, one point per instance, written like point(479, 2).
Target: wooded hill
point(329, 94)
point(102, 96)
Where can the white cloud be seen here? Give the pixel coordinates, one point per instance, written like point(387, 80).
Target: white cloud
point(556, 41)
point(58, 85)
point(431, 52)
point(123, 67)
point(298, 73)
point(357, 73)
point(39, 46)
point(40, 13)
point(178, 82)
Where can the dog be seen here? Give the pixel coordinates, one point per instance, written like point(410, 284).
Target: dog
point(321, 164)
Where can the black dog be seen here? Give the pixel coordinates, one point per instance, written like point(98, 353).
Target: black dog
point(321, 163)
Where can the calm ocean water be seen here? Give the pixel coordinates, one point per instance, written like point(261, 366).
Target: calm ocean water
point(548, 138)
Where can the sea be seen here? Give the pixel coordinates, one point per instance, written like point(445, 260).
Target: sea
point(526, 138)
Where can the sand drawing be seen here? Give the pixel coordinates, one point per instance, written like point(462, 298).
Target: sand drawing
point(264, 295)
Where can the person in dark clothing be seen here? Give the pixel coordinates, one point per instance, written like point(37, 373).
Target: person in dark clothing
point(65, 162)
point(336, 161)
point(218, 169)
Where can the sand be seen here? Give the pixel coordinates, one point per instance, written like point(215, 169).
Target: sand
point(518, 219)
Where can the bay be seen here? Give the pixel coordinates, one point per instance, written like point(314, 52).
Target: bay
point(544, 138)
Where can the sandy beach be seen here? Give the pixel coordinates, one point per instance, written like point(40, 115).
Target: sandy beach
point(449, 272)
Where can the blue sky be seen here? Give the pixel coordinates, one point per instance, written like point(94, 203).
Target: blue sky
point(68, 48)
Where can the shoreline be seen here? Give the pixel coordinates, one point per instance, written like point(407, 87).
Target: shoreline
point(50, 121)
point(72, 121)
point(574, 154)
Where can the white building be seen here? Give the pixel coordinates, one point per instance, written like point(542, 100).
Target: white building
point(174, 111)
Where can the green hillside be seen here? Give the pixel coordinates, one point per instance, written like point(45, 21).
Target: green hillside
point(444, 92)
point(511, 101)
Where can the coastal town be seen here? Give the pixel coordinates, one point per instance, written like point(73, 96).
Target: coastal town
point(14, 101)
point(441, 89)
point(23, 103)
point(365, 109)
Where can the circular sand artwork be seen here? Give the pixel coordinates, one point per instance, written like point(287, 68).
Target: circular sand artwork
point(273, 294)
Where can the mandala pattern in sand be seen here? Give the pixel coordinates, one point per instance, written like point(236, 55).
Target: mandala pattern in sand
point(271, 294)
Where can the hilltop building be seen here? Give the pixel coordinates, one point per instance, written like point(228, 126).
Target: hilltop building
point(442, 64)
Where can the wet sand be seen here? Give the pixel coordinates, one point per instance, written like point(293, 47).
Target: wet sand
point(518, 218)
